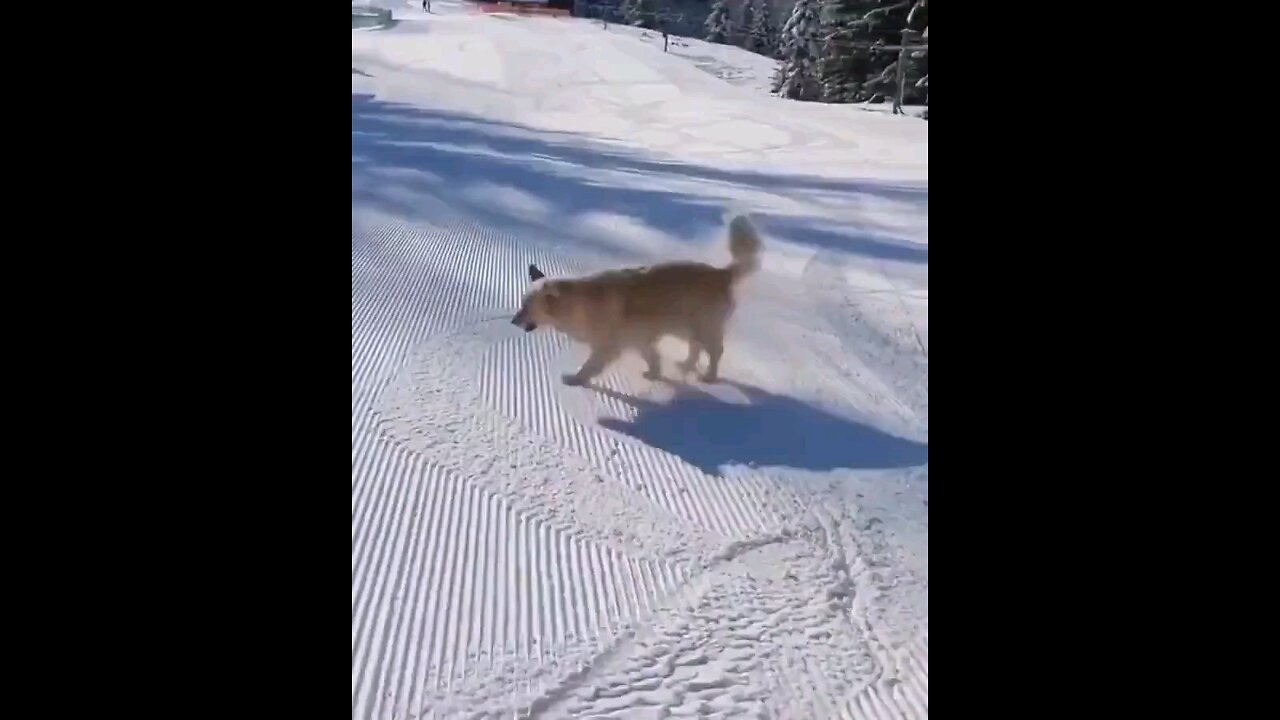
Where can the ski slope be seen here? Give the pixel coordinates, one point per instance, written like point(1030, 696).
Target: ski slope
point(756, 548)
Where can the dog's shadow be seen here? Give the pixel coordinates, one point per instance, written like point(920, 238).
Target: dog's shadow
point(766, 431)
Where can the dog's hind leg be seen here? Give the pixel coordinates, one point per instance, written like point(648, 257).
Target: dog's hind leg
point(715, 348)
point(712, 338)
point(690, 363)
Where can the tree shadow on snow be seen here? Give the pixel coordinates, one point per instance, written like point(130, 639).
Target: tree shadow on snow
point(766, 431)
point(399, 153)
point(854, 240)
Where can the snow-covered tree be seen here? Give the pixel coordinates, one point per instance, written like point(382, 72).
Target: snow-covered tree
point(846, 50)
point(918, 19)
point(799, 50)
point(718, 22)
point(642, 13)
point(852, 69)
point(761, 35)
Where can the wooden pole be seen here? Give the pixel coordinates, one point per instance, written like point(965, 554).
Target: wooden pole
point(908, 36)
point(902, 81)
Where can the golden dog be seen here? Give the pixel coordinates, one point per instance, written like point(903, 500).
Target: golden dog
point(632, 309)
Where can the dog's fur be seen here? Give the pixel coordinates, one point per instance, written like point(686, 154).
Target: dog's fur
point(634, 308)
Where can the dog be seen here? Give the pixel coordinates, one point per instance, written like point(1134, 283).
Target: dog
point(633, 308)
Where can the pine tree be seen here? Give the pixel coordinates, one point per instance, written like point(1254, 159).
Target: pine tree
point(888, 23)
point(797, 75)
point(718, 22)
point(918, 19)
point(642, 13)
point(748, 20)
point(852, 70)
point(761, 33)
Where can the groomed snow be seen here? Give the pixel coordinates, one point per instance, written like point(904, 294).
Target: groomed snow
point(754, 548)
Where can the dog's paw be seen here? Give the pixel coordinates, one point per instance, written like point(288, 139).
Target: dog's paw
point(710, 379)
point(652, 375)
point(572, 380)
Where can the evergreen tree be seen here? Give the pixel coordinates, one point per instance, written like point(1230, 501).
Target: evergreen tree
point(918, 19)
point(748, 19)
point(851, 69)
point(761, 34)
point(718, 22)
point(642, 13)
point(890, 22)
point(800, 46)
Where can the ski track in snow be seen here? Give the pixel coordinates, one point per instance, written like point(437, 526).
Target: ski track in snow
point(568, 570)
point(513, 554)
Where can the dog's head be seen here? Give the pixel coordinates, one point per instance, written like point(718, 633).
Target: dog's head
point(540, 303)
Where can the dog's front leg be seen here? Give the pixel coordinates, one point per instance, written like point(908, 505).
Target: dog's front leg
point(595, 364)
point(653, 360)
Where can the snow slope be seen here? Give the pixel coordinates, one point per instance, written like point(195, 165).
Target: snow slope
point(754, 548)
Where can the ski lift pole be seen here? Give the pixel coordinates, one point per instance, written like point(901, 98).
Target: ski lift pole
point(909, 38)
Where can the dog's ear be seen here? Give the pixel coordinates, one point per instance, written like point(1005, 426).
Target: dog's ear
point(535, 274)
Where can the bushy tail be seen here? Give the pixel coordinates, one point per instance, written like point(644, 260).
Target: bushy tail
point(744, 245)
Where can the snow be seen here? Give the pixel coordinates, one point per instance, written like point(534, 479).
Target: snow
point(752, 548)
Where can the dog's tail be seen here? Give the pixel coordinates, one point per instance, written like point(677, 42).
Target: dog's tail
point(744, 245)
